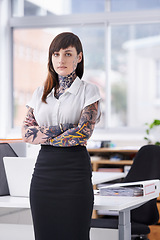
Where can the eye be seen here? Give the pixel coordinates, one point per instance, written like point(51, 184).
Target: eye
point(55, 54)
point(68, 54)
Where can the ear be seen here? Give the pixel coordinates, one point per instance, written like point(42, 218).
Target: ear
point(80, 57)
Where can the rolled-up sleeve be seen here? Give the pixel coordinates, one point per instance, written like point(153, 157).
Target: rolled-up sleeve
point(32, 102)
point(92, 95)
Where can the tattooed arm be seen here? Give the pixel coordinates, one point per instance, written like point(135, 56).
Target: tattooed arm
point(33, 133)
point(81, 133)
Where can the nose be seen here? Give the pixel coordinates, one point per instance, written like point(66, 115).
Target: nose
point(61, 59)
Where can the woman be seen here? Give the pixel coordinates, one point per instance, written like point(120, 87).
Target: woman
point(61, 117)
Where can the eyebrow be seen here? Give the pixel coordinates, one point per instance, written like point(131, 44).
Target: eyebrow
point(68, 50)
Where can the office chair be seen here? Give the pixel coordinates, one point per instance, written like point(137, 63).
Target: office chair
point(146, 166)
point(5, 151)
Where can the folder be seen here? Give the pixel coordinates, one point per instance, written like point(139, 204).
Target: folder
point(131, 189)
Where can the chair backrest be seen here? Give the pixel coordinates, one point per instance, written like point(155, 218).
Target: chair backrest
point(146, 166)
point(5, 151)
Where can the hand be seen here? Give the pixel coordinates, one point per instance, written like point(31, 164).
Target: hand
point(30, 121)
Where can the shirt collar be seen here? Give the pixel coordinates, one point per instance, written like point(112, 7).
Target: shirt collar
point(75, 86)
point(73, 89)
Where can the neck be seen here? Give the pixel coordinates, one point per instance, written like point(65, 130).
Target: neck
point(66, 81)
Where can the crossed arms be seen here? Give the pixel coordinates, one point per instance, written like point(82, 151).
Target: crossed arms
point(63, 135)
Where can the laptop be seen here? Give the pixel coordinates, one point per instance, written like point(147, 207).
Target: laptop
point(19, 173)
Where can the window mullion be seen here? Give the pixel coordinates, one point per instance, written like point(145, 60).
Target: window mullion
point(5, 69)
point(108, 83)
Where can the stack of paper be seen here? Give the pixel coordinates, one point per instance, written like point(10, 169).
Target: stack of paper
point(132, 189)
point(122, 191)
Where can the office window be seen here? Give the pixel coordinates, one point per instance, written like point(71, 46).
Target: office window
point(54, 7)
point(121, 55)
point(60, 7)
point(134, 5)
point(134, 74)
point(158, 78)
point(30, 62)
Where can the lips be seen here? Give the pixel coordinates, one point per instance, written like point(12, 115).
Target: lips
point(62, 67)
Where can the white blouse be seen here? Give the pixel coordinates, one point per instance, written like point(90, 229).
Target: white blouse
point(66, 109)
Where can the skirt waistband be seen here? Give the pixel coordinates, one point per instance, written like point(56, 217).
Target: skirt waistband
point(68, 149)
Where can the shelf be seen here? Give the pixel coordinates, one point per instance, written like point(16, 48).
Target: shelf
point(5, 140)
point(109, 162)
point(112, 150)
point(101, 156)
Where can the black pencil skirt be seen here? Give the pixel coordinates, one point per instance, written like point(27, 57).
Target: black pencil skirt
point(61, 194)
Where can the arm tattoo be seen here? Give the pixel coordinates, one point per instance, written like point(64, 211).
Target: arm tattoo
point(79, 135)
point(33, 133)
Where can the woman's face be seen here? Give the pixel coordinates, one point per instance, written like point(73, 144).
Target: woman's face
point(65, 61)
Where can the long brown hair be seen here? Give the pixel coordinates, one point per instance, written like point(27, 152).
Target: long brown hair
point(61, 41)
